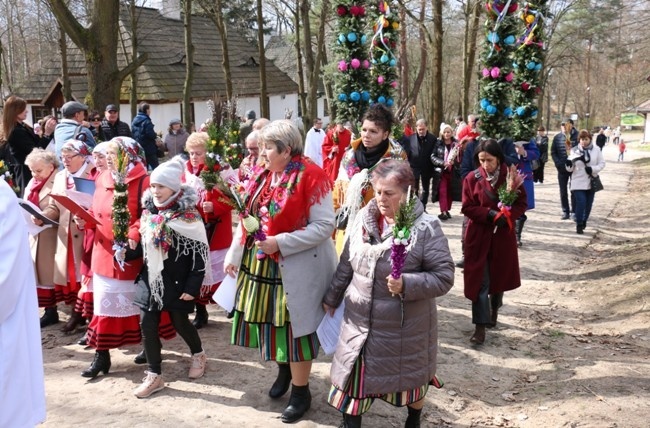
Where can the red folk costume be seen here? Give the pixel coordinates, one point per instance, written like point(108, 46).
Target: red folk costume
point(219, 228)
point(332, 161)
point(69, 247)
point(116, 320)
point(482, 243)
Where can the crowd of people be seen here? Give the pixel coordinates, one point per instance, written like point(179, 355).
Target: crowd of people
point(156, 241)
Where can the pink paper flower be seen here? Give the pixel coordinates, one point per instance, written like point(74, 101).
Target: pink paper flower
point(355, 63)
point(509, 77)
point(365, 63)
point(380, 79)
point(343, 66)
point(486, 72)
point(495, 72)
point(393, 84)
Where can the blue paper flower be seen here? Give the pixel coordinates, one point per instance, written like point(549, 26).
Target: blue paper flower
point(392, 62)
point(484, 103)
point(355, 96)
point(381, 99)
point(365, 95)
point(364, 39)
point(491, 109)
point(531, 65)
point(352, 37)
point(343, 97)
point(341, 38)
point(507, 111)
point(521, 111)
point(493, 37)
point(510, 40)
point(384, 59)
point(538, 66)
point(390, 102)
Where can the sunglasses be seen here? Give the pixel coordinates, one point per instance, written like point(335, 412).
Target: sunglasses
point(94, 119)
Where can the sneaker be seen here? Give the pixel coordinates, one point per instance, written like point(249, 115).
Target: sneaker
point(197, 368)
point(153, 382)
point(565, 216)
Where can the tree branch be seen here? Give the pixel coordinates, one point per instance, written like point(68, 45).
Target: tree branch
point(132, 66)
point(77, 33)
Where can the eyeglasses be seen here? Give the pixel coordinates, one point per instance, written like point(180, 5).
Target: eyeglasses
point(68, 158)
point(95, 119)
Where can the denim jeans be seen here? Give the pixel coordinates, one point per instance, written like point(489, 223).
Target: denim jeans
point(563, 181)
point(584, 202)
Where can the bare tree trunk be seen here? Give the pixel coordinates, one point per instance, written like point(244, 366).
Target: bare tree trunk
point(10, 66)
point(133, 94)
point(403, 64)
point(264, 100)
point(312, 63)
point(436, 66)
point(225, 58)
point(65, 75)
point(189, 62)
point(98, 42)
point(302, 93)
point(472, 14)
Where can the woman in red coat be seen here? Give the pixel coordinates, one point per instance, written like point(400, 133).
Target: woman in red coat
point(334, 145)
point(116, 320)
point(491, 259)
point(217, 216)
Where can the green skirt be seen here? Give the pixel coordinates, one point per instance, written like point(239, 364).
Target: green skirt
point(261, 318)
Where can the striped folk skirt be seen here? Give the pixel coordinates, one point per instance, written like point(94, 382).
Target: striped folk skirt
point(350, 399)
point(261, 318)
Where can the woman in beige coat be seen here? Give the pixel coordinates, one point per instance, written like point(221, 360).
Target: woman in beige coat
point(77, 162)
point(388, 341)
point(43, 166)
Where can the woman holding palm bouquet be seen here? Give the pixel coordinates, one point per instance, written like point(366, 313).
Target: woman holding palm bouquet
point(393, 266)
point(493, 198)
point(283, 258)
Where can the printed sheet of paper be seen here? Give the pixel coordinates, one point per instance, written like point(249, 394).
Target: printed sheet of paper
point(330, 328)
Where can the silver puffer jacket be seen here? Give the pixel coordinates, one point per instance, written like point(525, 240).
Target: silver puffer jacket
point(397, 334)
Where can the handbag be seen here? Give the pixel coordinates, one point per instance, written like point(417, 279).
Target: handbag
point(341, 219)
point(534, 165)
point(596, 184)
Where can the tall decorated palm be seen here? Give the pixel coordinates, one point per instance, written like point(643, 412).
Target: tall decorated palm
point(352, 94)
point(385, 35)
point(528, 63)
point(497, 71)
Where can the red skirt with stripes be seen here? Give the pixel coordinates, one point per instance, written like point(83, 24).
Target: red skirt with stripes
point(112, 332)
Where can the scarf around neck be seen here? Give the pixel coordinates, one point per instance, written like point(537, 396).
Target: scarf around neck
point(37, 185)
point(301, 185)
point(367, 158)
point(179, 225)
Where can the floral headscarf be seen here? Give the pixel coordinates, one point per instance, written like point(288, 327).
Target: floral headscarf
point(132, 149)
point(77, 147)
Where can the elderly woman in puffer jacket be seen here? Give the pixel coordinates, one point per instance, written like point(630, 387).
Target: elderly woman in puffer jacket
point(388, 342)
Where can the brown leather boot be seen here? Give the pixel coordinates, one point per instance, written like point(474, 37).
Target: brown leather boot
point(74, 320)
point(479, 335)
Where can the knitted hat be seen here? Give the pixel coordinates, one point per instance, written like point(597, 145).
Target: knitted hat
point(175, 121)
point(250, 114)
point(169, 173)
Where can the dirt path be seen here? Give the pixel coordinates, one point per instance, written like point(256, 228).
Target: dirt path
point(572, 348)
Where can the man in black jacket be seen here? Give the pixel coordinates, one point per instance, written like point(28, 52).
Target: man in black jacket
point(559, 153)
point(112, 126)
point(419, 149)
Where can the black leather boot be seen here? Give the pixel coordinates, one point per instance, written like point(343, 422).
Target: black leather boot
point(299, 403)
point(141, 358)
point(101, 363)
point(413, 419)
point(74, 320)
point(350, 421)
point(201, 317)
point(50, 317)
point(519, 227)
point(282, 382)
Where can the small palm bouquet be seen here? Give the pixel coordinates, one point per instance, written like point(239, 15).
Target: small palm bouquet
point(256, 227)
point(508, 194)
point(121, 214)
point(404, 221)
point(5, 175)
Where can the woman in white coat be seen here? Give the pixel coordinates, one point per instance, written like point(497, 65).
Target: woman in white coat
point(584, 162)
point(284, 269)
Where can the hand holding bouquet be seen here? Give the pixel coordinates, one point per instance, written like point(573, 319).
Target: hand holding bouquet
point(404, 221)
point(508, 193)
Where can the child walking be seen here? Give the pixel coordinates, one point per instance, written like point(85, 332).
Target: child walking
point(176, 256)
point(621, 150)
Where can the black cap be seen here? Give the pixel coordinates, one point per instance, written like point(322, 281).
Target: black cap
point(112, 107)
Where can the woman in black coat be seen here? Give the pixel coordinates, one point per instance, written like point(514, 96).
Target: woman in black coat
point(176, 256)
point(19, 139)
